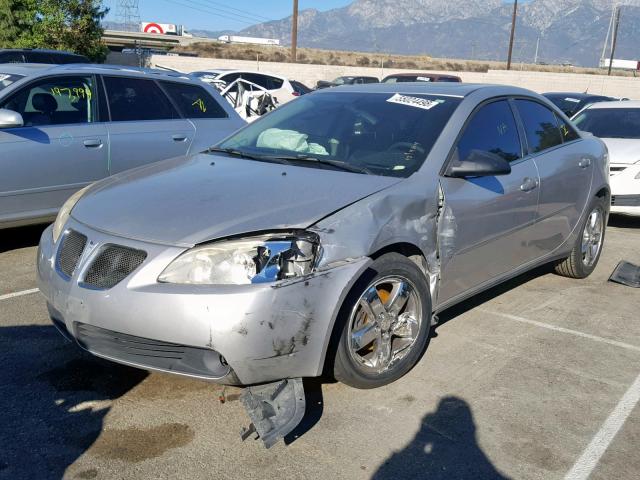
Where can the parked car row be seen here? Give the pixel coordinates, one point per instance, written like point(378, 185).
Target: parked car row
point(394, 78)
point(323, 237)
point(63, 127)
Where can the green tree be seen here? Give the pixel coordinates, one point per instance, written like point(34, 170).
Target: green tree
point(16, 20)
point(72, 25)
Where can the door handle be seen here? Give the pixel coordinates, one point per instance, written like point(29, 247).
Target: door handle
point(528, 184)
point(584, 163)
point(93, 143)
point(179, 138)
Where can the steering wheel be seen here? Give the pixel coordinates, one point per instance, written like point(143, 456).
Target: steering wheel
point(408, 148)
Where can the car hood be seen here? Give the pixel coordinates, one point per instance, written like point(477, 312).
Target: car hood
point(623, 150)
point(189, 200)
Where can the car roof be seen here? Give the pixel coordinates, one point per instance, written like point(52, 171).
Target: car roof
point(422, 74)
point(29, 69)
point(616, 104)
point(435, 88)
point(576, 95)
point(224, 72)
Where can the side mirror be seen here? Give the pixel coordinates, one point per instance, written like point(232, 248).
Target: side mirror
point(10, 119)
point(479, 164)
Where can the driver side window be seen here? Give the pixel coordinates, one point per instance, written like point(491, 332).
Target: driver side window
point(492, 129)
point(56, 101)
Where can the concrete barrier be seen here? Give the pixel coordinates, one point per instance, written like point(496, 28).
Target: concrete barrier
point(309, 74)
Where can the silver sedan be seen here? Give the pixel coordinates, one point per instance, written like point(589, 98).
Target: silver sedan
point(326, 235)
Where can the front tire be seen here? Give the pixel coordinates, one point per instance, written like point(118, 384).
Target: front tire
point(385, 322)
point(588, 247)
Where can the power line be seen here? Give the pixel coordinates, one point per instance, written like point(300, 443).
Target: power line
point(128, 14)
point(241, 11)
point(206, 5)
point(174, 2)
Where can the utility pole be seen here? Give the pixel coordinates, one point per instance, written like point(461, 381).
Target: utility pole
point(513, 32)
point(606, 40)
point(535, 57)
point(615, 38)
point(294, 31)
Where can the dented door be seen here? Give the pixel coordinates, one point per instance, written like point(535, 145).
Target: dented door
point(485, 222)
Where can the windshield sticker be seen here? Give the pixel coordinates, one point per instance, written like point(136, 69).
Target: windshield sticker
point(414, 101)
point(574, 100)
point(423, 79)
point(199, 104)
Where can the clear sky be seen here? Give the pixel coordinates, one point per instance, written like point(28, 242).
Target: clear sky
point(219, 14)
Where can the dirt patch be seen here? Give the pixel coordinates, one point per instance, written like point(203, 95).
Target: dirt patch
point(87, 474)
point(138, 444)
point(408, 398)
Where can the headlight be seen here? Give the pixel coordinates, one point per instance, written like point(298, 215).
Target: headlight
point(260, 259)
point(65, 211)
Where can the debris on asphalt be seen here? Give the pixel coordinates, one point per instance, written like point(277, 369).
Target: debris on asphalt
point(275, 409)
point(626, 273)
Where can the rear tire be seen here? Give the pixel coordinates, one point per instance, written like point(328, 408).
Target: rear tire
point(384, 324)
point(588, 247)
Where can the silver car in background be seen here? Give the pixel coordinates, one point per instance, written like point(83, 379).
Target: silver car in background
point(63, 127)
point(327, 234)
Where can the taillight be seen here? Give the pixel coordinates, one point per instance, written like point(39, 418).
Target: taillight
point(295, 94)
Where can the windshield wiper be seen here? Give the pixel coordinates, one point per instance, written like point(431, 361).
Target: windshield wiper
point(239, 153)
point(347, 167)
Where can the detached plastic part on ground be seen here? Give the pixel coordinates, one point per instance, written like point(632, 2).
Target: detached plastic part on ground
point(275, 409)
point(627, 274)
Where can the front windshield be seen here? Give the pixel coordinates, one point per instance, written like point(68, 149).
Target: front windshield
point(339, 81)
point(7, 79)
point(380, 133)
point(610, 122)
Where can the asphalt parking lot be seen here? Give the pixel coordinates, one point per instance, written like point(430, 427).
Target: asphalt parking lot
point(538, 378)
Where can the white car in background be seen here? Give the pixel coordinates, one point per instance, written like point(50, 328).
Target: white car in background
point(279, 87)
point(618, 125)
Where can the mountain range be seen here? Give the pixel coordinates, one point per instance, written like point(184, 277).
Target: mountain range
point(565, 31)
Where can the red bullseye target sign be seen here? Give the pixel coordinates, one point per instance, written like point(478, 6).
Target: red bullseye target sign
point(153, 28)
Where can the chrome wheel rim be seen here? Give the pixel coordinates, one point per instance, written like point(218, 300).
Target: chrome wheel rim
point(384, 324)
point(592, 237)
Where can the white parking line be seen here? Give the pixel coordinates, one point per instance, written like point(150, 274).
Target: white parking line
point(595, 338)
point(594, 451)
point(599, 444)
point(18, 294)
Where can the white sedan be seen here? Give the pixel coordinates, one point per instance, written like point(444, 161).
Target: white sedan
point(618, 125)
point(279, 87)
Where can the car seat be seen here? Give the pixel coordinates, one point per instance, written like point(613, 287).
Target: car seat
point(45, 106)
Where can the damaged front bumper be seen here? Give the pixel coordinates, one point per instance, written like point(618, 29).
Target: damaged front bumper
point(230, 334)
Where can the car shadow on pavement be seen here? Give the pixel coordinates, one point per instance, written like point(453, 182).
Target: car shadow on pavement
point(623, 221)
point(22, 237)
point(483, 297)
point(445, 447)
point(53, 399)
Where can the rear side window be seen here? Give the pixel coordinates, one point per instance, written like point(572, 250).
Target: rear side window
point(540, 125)
point(132, 99)
point(56, 101)
point(491, 129)
point(193, 101)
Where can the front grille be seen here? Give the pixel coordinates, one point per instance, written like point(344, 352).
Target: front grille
point(616, 169)
point(71, 249)
point(148, 353)
point(112, 265)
